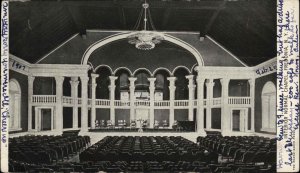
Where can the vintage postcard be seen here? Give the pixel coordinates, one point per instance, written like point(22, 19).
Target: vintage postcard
point(150, 86)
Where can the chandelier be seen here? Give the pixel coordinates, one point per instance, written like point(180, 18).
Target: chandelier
point(145, 39)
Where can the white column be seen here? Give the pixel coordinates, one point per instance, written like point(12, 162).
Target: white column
point(37, 119)
point(74, 94)
point(84, 103)
point(252, 101)
point(172, 89)
point(112, 88)
point(152, 90)
point(191, 87)
point(58, 106)
point(225, 117)
point(132, 99)
point(200, 110)
point(209, 103)
point(93, 111)
point(17, 111)
point(30, 94)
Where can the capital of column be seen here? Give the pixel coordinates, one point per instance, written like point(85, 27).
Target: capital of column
point(172, 80)
point(200, 80)
point(84, 80)
point(210, 83)
point(31, 79)
point(74, 81)
point(152, 83)
point(94, 76)
point(251, 82)
point(224, 81)
point(132, 80)
point(191, 79)
point(59, 79)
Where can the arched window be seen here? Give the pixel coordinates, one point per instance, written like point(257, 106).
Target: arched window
point(14, 105)
point(268, 107)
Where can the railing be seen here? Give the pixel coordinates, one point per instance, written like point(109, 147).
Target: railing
point(195, 102)
point(141, 103)
point(162, 103)
point(121, 103)
point(67, 100)
point(239, 100)
point(102, 102)
point(181, 103)
point(216, 101)
point(43, 99)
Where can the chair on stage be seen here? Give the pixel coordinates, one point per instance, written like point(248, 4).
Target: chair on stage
point(156, 124)
point(109, 124)
point(145, 124)
point(176, 126)
point(132, 124)
point(121, 123)
point(165, 124)
point(102, 123)
point(97, 125)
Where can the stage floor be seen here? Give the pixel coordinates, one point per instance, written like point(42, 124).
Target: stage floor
point(133, 130)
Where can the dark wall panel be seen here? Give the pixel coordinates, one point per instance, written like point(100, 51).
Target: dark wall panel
point(122, 114)
point(67, 117)
point(181, 114)
point(259, 84)
point(102, 114)
point(23, 81)
point(216, 118)
point(161, 114)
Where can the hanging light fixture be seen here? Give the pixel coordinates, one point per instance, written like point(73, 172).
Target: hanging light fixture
point(145, 39)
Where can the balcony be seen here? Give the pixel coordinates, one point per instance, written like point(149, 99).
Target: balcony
point(161, 104)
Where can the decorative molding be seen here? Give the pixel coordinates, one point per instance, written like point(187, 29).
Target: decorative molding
point(181, 66)
point(124, 35)
point(124, 68)
point(231, 54)
point(103, 65)
point(135, 71)
point(19, 65)
point(52, 70)
point(162, 68)
point(265, 68)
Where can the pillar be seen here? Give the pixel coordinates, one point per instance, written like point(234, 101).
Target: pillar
point(172, 89)
point(209, 103)
point(30, 94)
point(191, 87)
point(131, 97)
point(74, 94)
point(152, 90)
point(225, 117)
point(112, 88)
point(252, 101)
point(93, 111)
point(84, 103)
point(200, 105)
point(58, 106)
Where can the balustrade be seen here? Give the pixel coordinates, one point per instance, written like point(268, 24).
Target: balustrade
point(43, 99)
point(141, 103)
point(121, 103)
point(217, 101)
point(181, 103)
point(67, 100)
point(239, 100)
point(162, 103)
point(102, 102)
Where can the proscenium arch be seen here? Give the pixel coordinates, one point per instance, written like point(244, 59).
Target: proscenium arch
point(124, 35)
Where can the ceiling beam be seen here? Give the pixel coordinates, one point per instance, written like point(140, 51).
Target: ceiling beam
point(213, 18)
point(195, 5)
point(166, 18)
point(122, 17)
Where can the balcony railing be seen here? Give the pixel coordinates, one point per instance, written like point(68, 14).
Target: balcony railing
point(43, 99)
point(239, 100)
point(121, 103)
point(162, 103)
point(50, 99)
point(181, 103)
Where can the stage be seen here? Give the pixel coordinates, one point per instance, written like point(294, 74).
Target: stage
point(134, 130)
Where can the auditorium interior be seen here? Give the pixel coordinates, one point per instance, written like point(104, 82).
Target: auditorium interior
point(142, 86)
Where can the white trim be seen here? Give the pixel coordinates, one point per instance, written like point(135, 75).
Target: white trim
point(124, 35)
point(180, 66)
point(231, 54)
point(38, 61)
point(118, 31)
point(124, 68)
point(102, 65)
point(19, 59)
point(135, 71)
point(162, 68)
point(266, 62)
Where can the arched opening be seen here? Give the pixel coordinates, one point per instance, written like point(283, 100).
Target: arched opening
point(102, 90)
point(181, 83)
point(122, 84)
point(14, 105)
point(268, 107)
point(162, 85)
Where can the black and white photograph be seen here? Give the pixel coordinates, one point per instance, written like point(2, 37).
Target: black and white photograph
point(145, 86)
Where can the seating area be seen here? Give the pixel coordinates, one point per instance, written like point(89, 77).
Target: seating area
point(36, 150)
point(211, 154)
point(243, 151)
